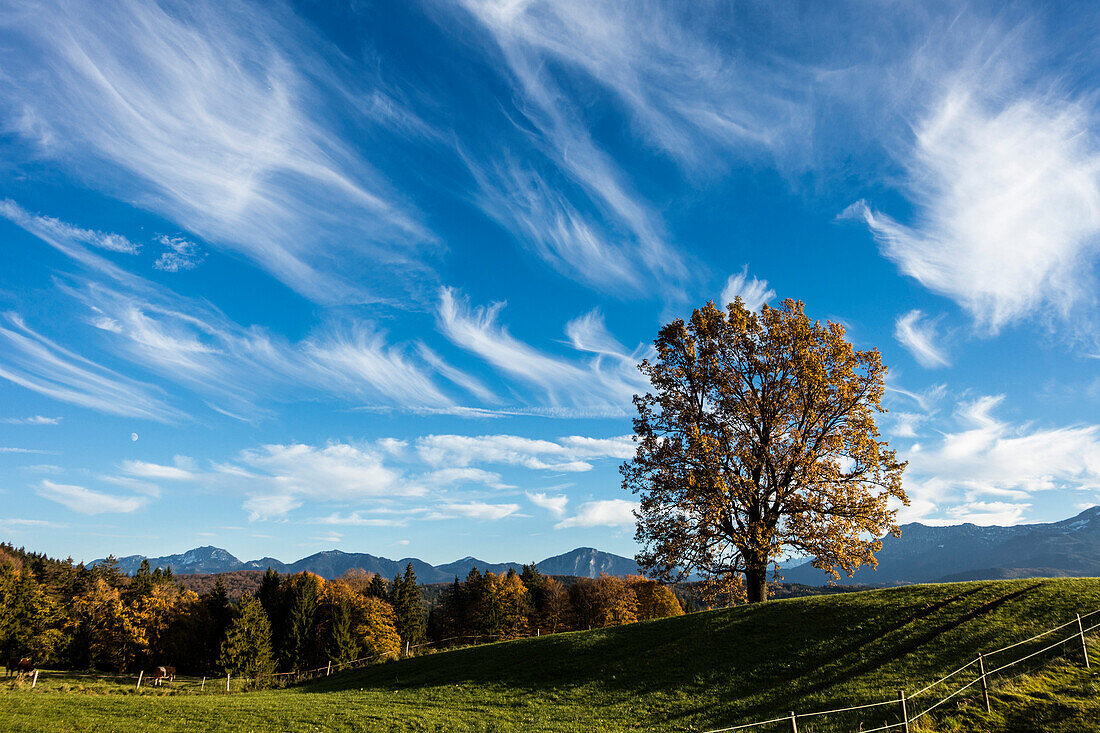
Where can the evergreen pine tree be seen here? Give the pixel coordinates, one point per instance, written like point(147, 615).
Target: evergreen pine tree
point(342, 646)
point(110, 571)
point(268, 592)
point(246, 649)
point(409, 607)
point(142, 581)
point(377, 588)
point(301, 621)
point(220, 612)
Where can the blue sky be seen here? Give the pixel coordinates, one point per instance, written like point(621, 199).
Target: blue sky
point(287, 277)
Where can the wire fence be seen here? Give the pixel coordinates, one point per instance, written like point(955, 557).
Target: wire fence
point(228, 682)
point(901, 704)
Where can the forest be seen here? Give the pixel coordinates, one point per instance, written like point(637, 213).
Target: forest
point(62, 614)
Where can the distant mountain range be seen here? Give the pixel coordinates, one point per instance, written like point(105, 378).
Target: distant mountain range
point(924, 554)
point(583, 561)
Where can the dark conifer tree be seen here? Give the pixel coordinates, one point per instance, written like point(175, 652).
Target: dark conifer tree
point(342, 646)
point(246, 649)
point(377, 588)
point(409, 607)
point(300, 650)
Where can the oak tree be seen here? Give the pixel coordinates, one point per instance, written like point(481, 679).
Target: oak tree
point(758, 439)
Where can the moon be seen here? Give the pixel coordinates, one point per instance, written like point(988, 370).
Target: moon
point(133, 436)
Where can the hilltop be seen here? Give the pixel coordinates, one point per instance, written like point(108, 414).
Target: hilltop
point(696, 672)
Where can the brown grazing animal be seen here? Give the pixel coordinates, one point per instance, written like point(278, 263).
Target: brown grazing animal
point(19, 665)
point(162, 674)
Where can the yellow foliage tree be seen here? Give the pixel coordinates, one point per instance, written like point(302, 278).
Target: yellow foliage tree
point(511, 596)
point(376, 633)
point(654, 600)
point(759, 438)
point(100, 616)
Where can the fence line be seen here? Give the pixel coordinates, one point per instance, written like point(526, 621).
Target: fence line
point(982, 678)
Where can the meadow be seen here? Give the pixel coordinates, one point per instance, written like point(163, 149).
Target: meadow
point(690, 673)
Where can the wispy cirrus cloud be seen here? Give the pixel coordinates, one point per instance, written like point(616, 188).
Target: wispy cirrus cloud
point(987, 461)
point(474, 510)
point(573, 241)
point(918, 335)
point(692, 90)
point(1006, 187)
point(86, 501)
point(145, 469)
point(32, 420)
point(607, 382)
point(217, 117)
point(752, 291)
point(37, 363)
point(64, 235)
point(242, 367)
point(573, 453)
point(73, 241)
point(357, 519)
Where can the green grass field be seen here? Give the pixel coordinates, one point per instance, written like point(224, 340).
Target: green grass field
point(696, 672)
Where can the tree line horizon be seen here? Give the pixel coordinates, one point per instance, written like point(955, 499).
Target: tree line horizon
point(60, 614)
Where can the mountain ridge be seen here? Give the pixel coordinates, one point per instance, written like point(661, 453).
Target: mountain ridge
point(930, 554)
point(586, 561)
point(922, 554)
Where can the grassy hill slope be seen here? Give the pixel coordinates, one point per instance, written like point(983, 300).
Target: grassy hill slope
point(694, 672)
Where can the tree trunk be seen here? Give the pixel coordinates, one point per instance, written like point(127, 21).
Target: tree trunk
point(756, 580)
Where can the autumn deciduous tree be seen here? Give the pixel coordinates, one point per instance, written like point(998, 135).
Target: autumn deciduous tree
point(759, 438)
point(654, 600)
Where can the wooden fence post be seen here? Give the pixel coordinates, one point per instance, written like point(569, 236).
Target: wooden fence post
point(985, 684)
point(35, 680)
point(140, 673)
point(329, 671)
point(406, 647)
point(904, 710)
point(1084, 647)
point(227, 681)
point(203, 685)
point(794, 722)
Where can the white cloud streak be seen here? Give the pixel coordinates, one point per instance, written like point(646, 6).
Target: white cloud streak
point(32, 420)
point(555, 504)
point(85, 501)
point(752, 291)
point(50, 229)
point(1007, 198)
point(37, 363)
point(216, 117)
point(192, 343)
point(476, 510)
point(572, 454)
point(604, 513)
point(919, 337)
point(989, 460)
point(605, 383)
